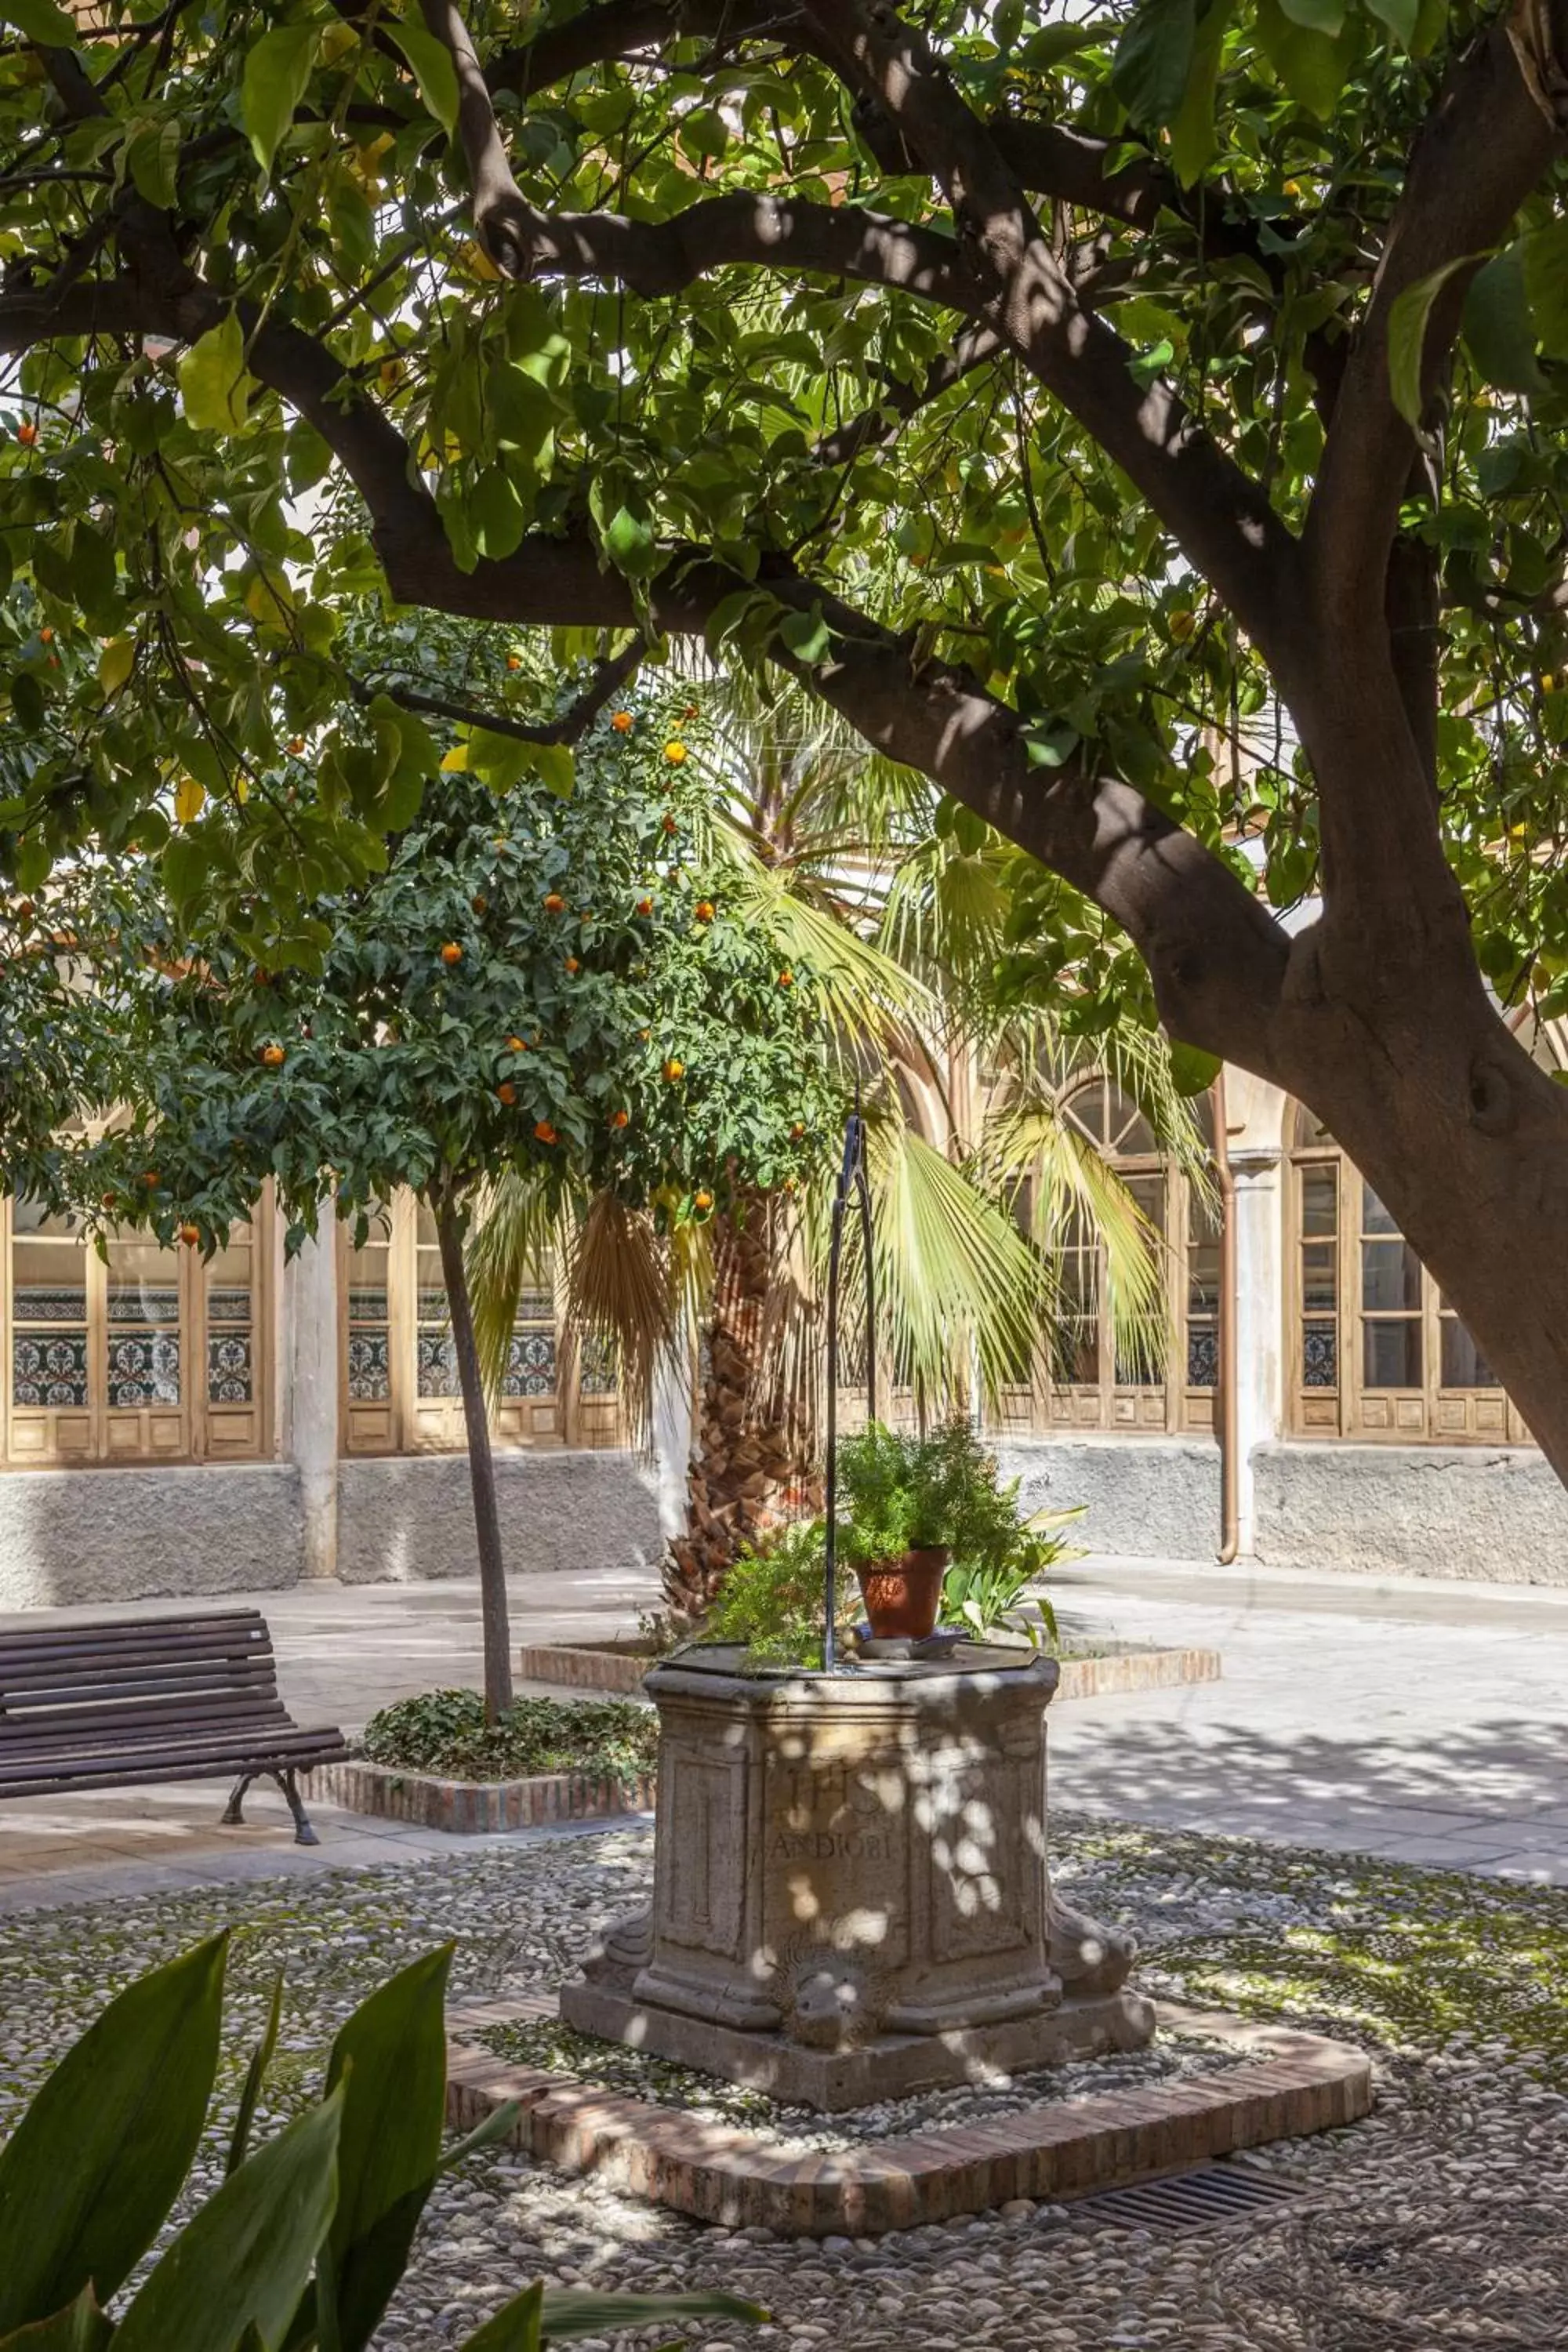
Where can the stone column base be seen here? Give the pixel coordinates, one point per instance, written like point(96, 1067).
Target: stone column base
point(891, 2067)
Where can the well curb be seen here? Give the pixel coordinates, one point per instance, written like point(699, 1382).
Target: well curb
point(1109, 1678)
point(1290, 2084)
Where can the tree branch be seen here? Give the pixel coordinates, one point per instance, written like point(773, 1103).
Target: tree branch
point(1222, 518)
point(609, 676)
point(496, 194)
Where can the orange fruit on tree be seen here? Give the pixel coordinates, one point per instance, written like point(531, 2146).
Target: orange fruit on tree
point(544, 1132)
point(786, 979)
point(451, 952)
point(620, 1117)
point(797, 1130)
point(573, 964)
point(45, 636)
point(669, 822)
point(296, 745)
point(479, 902)
point(507, 1092)
point(27, 433)
point(273, 1057)
point(149, 1178)
point(673, 1070)
point(514, 661)
point(644, 1035)
point(190, 1235)
point(516, 1045)
point(554, 904)
point(645, 906)
point(106, 1199)
point(690, 711)
point(675, 753)
point(622, 722)
point(704, 910)
point(703, 1200)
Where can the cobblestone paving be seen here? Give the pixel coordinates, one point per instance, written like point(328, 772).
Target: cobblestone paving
point(1440, 2226)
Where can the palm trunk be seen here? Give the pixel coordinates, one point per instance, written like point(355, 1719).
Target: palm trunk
point(751, 1457)
point(493, 1610)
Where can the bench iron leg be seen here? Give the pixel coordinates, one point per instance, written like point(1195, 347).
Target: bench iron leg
point(233, 1818)
point(303, 1833)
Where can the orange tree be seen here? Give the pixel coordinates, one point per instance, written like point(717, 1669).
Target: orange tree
point(543, 985)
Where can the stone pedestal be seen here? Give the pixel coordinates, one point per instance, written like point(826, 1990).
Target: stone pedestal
point(850, 1897)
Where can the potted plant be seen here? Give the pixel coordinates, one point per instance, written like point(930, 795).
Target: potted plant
point(915, 1503)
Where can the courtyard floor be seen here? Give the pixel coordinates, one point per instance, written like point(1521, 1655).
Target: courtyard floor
point(1273, 1839)
point(1423, 1722)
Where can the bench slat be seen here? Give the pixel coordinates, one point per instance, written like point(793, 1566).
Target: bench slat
point(121, 1702)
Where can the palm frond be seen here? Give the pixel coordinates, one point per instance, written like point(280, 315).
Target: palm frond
point(619, 1292)
point(864, 991)
point(1074, 1191)
point(516, 1232)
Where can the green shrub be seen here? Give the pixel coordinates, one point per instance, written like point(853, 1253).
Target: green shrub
point(445, 1731)
point(774, 1597)
point(306, 2241)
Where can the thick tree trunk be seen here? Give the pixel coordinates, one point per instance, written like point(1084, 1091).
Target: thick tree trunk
point(1459, 1133)
point(751, 1455)
point(494, 1614)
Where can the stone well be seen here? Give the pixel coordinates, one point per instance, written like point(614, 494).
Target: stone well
point(851, 1899)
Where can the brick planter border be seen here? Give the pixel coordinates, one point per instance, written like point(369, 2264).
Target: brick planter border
point(1107, 1677)
point(1287, 2085)
point(467, 1807)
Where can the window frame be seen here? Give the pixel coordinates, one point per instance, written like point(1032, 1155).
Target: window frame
point(1173, 1406)
point(99, 1436)
point(1366, 1412)
point(404, 1422)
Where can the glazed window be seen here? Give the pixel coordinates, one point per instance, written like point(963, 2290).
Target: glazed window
point(400, 1392)
point(142, 1354)
point(1375, 1350)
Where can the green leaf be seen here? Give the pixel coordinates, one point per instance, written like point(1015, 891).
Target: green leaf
point(1193, 144)
point(629, 544)
point(1052, 43)
point(569, 2312)
point(433, 70)
point(214, 384)
point(808, 637)
point(389, 2063)
point(1193, 1072)
point(1499, 327)
point(495, 2126)
point(703, 132)
point(1312, 66)
point(1317, 16)
point(153, 160)
point(28, 704)
point(514, 2328)
point(277, 74)
point(555, 767)
point(1545, 256)
point(1407, 320)
point(255, 2075)
point(89, 2174)
point(80, 2327)
point(1400, 17)
point(245, 2258)
point(41, 21)
point(1153, 59)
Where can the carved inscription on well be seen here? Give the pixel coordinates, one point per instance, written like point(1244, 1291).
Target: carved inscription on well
point(836, 1853)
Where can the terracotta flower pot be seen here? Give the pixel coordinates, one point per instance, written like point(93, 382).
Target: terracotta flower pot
point(902, 1596)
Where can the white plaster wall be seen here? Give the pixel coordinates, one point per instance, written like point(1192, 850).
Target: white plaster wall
point(1489, 1515)
point(410, 1517)
point(1146, 1498)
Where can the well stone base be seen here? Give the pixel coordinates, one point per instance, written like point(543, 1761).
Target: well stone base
point(891, 2067)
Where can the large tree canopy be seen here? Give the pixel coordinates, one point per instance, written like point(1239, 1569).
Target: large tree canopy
point(1054, 397)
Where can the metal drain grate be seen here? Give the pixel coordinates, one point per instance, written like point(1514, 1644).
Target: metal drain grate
point(1206, 2199)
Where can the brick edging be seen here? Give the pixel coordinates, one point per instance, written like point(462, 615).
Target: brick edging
point(1128, 1670)
point(465, 1807)
point(1293, 2085)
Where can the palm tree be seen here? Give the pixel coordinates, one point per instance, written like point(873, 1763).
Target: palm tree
point(899, 917)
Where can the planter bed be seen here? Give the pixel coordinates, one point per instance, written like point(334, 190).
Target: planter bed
point(467, 1807)
point(619, 1666)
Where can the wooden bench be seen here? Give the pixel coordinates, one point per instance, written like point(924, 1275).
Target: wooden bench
point(116, 1702)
